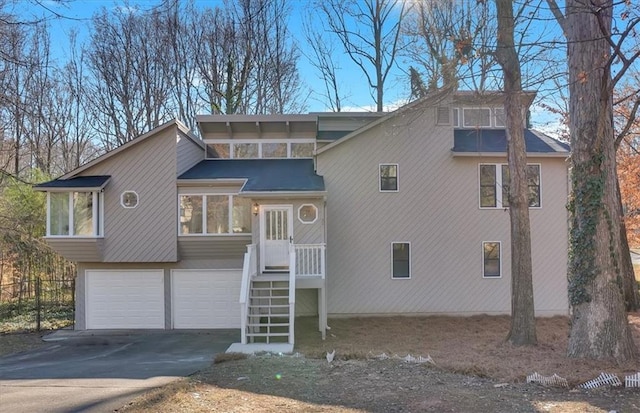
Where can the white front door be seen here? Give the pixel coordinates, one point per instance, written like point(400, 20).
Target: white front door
point(276, 233)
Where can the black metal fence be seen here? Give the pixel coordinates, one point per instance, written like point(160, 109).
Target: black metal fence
point(37, 291)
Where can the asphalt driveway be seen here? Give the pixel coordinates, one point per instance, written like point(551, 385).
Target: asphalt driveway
point(100, 373)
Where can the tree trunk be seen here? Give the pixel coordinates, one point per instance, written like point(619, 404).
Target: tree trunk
point(631, 294)
point(599, 327)
point(523, 323)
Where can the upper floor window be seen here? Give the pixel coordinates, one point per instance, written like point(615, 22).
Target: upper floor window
point(74, 214)
point(214, 214)
point(476, 117)
point(494, 185)
point(388, 177)
point(261, 148)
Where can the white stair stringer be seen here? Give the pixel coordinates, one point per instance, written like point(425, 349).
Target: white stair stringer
point(268, 311)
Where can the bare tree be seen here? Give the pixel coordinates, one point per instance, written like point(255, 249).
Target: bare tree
point(523, 325)
point(369, 32)
point(131, 81)
point(451, 42)
point(599, 327)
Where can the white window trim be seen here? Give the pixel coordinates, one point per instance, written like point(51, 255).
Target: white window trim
point(499, 186)
point(307, 222)
point(491, 277)
point(397, 178)
point(122, 199)
point(230, 142)
point(204, 215)
point(97, 212)
point(410, 264)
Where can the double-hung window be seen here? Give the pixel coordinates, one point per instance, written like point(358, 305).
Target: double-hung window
point(494, 185)
point(400, 260)
point(491, 259)
point(74, 214)
point(214, 214)
point(389, 177)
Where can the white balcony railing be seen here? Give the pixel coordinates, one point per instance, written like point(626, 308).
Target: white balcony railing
point(310, 260)
point(249, 270)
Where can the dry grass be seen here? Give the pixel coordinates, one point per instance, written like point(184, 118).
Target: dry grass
point(17, 342)
point(471, 345)
point(222, 357)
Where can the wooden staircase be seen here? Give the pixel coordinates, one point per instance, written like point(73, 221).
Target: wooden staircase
point(269, 310)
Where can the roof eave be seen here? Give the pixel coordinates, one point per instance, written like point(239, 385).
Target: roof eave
point(282, 194)
point(456, 154)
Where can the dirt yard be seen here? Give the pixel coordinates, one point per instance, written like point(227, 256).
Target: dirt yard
point(474, 370)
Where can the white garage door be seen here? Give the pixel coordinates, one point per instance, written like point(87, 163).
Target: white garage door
point(124, 298)
point(206, 298)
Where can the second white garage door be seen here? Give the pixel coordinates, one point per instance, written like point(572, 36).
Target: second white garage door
point(205, 298)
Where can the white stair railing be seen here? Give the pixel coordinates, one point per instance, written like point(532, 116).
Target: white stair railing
point(292, 292)
point(310, 260)
point(249, 270)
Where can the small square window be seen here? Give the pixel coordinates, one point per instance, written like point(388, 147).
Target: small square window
point(388, 177)
point(491, 259)
point(129, 199)
point(400, 260)
point(308, 213)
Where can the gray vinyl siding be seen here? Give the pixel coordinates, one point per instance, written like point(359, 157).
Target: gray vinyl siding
point(230, 247)
point(146, 233)
point(188, 153)
point(78, 249)
point(437, 211)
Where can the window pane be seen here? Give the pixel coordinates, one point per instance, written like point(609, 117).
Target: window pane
point(274, 150)
point(388, 177)
point(241, 215)
point(488, 186)
point(302, 150)
point(245, 150)
point(499, 114)
point(191, 214)
point(401, 260)
point(533, 180)
point(218, 150)
point(217, 214)
point(82, 213)
point(491, 259)
point(59, 213)
point(505, 186)
point(477, 117)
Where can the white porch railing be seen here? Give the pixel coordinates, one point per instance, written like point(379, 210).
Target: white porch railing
point(292, 291)
point(310, 260)
point(249, 270)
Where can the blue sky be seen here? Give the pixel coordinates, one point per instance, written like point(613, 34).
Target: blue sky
point(77, 15)
point(357, 96)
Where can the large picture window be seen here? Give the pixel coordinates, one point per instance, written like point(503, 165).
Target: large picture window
point(401, 260)
point(214, 215)
point(494, 185)
point(73, 214)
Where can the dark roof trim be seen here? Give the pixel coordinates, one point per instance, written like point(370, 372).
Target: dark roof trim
point(90, 183)
point(494, 141)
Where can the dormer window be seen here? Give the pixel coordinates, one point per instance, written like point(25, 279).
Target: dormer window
point(476, 117)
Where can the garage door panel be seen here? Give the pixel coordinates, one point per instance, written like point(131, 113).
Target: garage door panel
point(206, 299)
point(125, 299)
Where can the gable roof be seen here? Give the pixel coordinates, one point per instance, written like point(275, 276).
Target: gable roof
point(474, 141)
point(261, 175)
point(175, 122)
point(88, 183)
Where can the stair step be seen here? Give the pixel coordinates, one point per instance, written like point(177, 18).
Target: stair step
point(269, 325)
point(267, 334)
point(270, 288)
point(269, 306)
